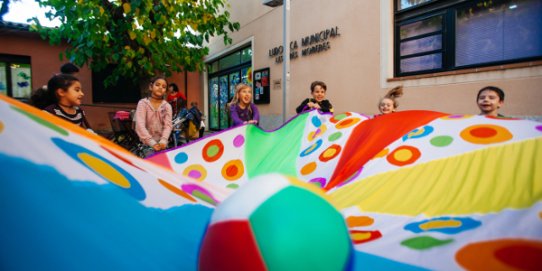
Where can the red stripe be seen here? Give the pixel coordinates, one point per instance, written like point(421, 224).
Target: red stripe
point(372, 136)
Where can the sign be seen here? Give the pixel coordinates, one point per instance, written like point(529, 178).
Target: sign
point(261, 86)
point(312, 44)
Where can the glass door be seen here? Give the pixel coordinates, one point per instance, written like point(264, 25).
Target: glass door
point(224, 99)
point(214, 106)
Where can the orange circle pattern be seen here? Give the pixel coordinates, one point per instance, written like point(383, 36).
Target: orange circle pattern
point(233, 170)
point(347, 123)
point(404, 155)
point(308, 168)
point(485, 134)
point(503, 254)
point(330, 153)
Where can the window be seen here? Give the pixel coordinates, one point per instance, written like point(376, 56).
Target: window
point(124, 91)
point(433, 36)
point(224, 74)
point(15, 76)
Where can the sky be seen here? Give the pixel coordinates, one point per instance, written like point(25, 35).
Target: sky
point(20, 11)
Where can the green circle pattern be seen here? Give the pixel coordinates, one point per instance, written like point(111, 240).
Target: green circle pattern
point(334, 136)
point(441, 141)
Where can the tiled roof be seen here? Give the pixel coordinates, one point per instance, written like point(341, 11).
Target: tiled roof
point(4, 25)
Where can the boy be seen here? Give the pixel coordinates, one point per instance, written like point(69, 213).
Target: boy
point(489, 100)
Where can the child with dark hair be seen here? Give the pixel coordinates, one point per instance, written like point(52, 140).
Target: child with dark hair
point(318, 100)
point(62, 97)
point(175, 97)
point(154, 117)
point(490, 99)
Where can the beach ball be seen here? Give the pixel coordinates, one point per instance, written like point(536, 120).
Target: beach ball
point(276, 222)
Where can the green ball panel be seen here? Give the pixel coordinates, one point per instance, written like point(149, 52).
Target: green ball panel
point(296, 229)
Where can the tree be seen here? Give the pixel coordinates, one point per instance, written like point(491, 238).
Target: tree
point(4, 8)
point(139, 38)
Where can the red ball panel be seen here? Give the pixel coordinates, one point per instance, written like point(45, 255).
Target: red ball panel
point(230, 245)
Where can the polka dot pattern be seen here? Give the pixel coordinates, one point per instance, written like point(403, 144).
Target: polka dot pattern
point(335, 136)
point(330, 153)
point(200, 193)
point(103, 167)
point(213, 150)
point(404, 155)
point(346, 123)
point(447, 225)
point(312, 148)
point(418, 133)
point(308, 168)
point(238, 141)
point(316, 121)
point(181, 158)
point(441, 141)
point(501, 254)
point(319, 181)
point(233, 170)
point(196, 172)
point(485, 134)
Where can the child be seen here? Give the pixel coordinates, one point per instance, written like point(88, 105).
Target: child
point(62, 98)
point(388, 104)
point(153, 117)
point(242, 110)
point(489, 100)
point(174, 98)
point(318, 101)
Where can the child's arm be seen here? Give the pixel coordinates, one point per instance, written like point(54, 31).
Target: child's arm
point(141, 123)
point(326, 106)
point(234, 116)
point(255, 114)
point(167, 125)
point(302, 106)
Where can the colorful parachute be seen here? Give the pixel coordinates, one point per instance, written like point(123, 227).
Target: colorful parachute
point(417, 189)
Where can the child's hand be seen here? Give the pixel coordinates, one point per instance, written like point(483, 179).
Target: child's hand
point(157, 147)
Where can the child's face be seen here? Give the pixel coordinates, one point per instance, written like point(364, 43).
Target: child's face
point(245, 95)
point(171, 90)
point(318, 93)
point(72, 96)
point(489, 102)
point(386, 106)
point(158, 88)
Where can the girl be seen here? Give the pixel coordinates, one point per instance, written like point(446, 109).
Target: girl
point(318, 100)
point(242, 110)
point(388, 104)
point(153, 117)
point(489, 100)
point(62, 98)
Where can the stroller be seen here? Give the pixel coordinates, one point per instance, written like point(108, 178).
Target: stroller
point(185, 127)
point(177, 137)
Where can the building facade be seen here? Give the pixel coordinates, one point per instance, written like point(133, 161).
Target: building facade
point(27, 62)
point(441, 51)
